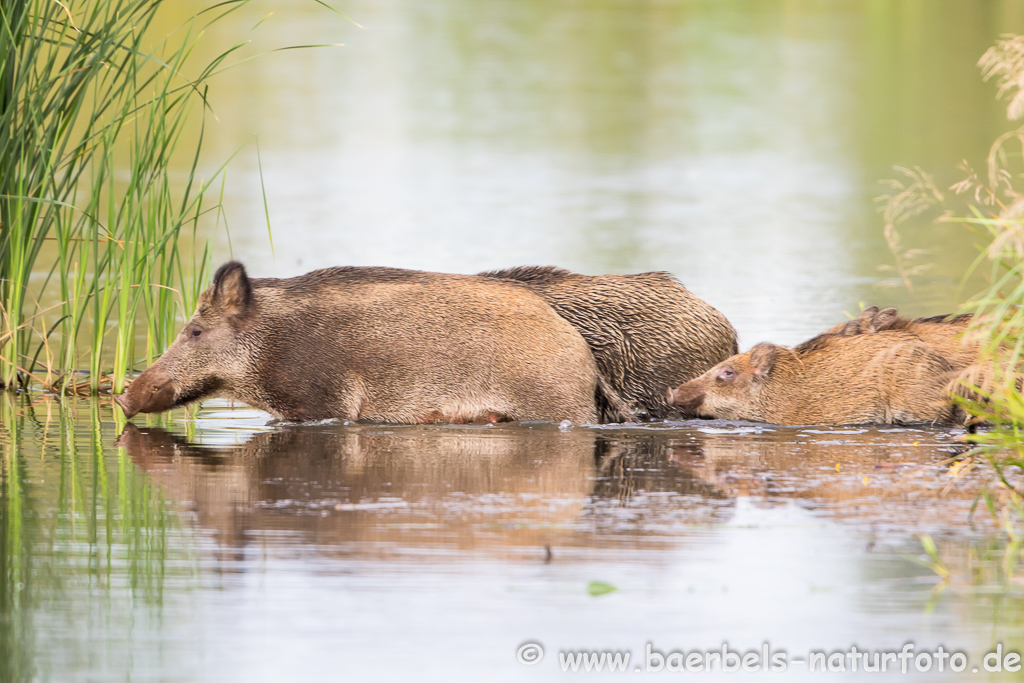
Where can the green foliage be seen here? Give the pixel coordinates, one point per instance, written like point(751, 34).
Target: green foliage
point(995, 211)
point(990, 204)
point(93, 112)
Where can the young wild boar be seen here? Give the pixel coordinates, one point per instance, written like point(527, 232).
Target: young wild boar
point(646, 330)
point(889, 377)
point(379, 345)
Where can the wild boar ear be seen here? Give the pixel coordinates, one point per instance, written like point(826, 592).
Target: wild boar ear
point(232, 292)
point(762, 358)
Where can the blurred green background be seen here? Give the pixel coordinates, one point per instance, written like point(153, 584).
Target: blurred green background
point(737, 144)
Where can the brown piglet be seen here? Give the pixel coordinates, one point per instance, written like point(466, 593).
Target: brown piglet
point(888, 377)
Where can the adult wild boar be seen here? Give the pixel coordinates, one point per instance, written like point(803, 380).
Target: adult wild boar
point(888, 377)
point(646, 330)
point(379, 345)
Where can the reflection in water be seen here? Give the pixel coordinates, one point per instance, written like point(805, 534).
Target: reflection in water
point(139, 555)
point(898, 477)
point(499, 488)
point(88, 544)
point(16, 647)
point(638, 493)
point(371, 490)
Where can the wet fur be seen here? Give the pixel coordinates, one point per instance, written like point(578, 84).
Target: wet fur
point(646, 330)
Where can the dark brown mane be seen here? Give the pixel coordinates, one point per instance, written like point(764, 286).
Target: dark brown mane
point(898, 324)
point(344, 275)
point(535, 274)
point(948, 319)
point(813, 344)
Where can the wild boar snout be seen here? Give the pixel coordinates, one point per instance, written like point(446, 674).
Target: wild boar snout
point(151, 392)
point(687, 397)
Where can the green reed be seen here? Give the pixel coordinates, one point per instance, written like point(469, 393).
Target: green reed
point(96, 232)
point(994, 212)
point(990, 203)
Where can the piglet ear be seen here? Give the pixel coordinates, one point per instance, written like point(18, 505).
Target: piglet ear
point(232, 292)
point(884, 319)
point(762, 358)
point(862, 323)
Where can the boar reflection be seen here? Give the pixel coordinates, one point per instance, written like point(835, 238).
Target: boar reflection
point(511, 491)
point(375, 490)
point(874, 476)
point(342, 486)
point(640, 491)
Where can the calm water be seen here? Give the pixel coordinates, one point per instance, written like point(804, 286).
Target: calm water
point(735, 144)
point(235, 550)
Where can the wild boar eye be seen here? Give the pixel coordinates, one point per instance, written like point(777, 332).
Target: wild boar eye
point(726, 373)
point(196, 333)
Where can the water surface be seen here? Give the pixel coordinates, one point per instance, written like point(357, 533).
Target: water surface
point(228, 549)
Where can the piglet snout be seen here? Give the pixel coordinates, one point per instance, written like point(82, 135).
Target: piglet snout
point(687, 397)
